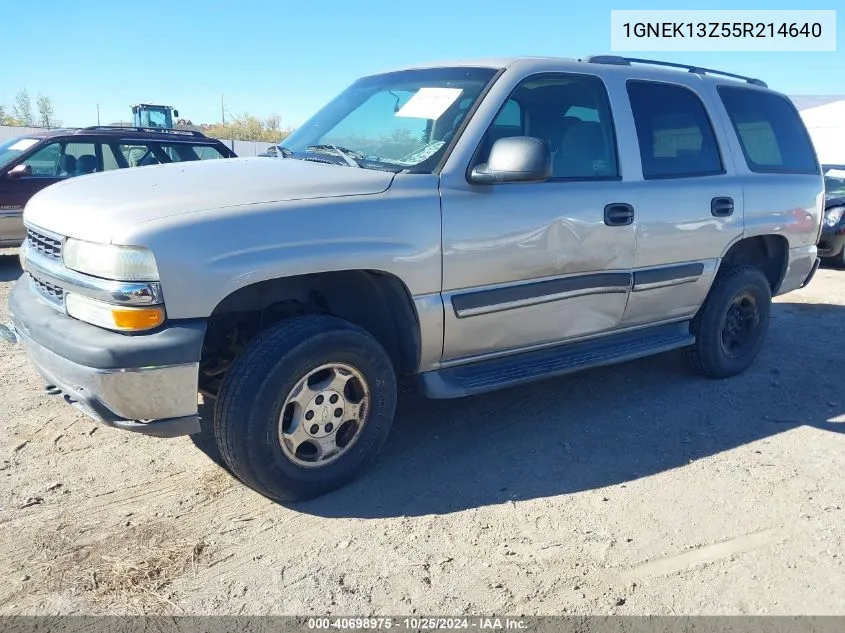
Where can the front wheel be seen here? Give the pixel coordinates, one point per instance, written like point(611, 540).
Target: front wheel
point(305, 408)
point(731, 326)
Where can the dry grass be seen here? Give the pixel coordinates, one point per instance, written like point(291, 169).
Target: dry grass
point(214, 483)
point(130, 569)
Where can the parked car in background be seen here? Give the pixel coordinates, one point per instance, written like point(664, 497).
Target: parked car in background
point(32, 162)
point(832, 242)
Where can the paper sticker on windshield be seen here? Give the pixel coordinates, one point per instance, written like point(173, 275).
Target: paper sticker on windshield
point(23, 144)
point(430, 103)
point(835, 173)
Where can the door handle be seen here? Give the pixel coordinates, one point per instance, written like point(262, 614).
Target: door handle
point(722, 207)
point(618, 214)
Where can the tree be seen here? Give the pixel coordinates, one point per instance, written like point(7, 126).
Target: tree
point(273, 123)
point(46, 112)
point(2, 114)
point(248, 127)
point(22, 110)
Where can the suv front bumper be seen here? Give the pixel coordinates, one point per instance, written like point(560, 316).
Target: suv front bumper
point(145, 383)
point(831, 243)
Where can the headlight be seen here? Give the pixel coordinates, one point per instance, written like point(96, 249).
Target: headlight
point(113, 317)
point(121, 263)
point(832, 216)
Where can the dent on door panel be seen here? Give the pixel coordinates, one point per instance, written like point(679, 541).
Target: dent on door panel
point(479, 302)
point(532, 265)
point(508, 318)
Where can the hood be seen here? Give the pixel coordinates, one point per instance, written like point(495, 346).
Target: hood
point(92, 207)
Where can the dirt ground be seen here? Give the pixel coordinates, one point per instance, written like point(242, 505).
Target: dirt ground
point(637, 489)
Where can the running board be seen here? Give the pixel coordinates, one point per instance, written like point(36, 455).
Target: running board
point(489, 375)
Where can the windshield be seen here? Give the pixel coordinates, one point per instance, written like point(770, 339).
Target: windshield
point(834, 180)
point(13, 148)
point(400, 120)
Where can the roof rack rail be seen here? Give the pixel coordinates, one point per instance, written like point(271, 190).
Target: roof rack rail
point(154, 130)
point(617, 60)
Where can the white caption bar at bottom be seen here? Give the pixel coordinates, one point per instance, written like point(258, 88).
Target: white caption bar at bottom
point(722, 30)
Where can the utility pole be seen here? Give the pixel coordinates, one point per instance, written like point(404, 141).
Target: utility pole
point(223, 120)
point(98, 114)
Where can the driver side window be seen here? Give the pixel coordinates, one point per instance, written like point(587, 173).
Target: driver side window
point(45, 162)
point(571, 115)
point(63, 159)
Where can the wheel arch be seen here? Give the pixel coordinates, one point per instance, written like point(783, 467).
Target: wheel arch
point(769, 253)
point(376, 300)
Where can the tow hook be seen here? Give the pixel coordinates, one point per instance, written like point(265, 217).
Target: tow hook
point(7, 333)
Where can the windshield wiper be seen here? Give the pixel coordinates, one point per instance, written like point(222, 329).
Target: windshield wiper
point(284, 152)
point(343, 152)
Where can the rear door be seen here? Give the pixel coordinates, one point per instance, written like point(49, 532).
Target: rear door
point(691, 202)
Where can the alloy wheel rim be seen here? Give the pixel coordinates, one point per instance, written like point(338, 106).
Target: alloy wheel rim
point(323, 415)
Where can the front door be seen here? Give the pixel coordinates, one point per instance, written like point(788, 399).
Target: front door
point(532, 264)
point(48, 165)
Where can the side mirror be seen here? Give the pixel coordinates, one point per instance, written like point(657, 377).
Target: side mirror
point(515, 159)
point(19, 171)
point(176, 114)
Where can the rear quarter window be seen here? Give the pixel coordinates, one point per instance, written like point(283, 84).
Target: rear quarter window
point(770, 131)
point(180, 152)
point(207, 152)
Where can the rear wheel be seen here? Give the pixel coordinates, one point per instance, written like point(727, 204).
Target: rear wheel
point(731, 326)
point(305, 408)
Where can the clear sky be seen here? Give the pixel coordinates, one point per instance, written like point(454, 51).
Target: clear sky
point(289, 56)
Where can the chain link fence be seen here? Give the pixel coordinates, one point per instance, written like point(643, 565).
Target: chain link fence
point(241, 148)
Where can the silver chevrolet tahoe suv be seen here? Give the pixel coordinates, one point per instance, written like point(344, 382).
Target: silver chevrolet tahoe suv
point(472, 225)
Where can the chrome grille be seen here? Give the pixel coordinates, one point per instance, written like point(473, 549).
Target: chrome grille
point(47, 246)
point(48, 290)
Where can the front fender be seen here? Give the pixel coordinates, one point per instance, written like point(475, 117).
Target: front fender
point(203, 258)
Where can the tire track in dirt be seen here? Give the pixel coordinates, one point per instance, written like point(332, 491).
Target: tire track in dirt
point(93, 508)
point(706, 554)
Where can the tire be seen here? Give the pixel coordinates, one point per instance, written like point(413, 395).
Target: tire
point(250, 415)
point(838, 260)
point(735, 290)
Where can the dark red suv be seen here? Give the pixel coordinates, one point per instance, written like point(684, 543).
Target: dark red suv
point(32, 162)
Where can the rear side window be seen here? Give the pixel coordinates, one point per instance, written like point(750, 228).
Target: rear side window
point(675, 134)
point(207, 152)
point(770, 130)
point(180, 152)
point(139, 155)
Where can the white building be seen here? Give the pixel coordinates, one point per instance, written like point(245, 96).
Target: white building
point(825, 120)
